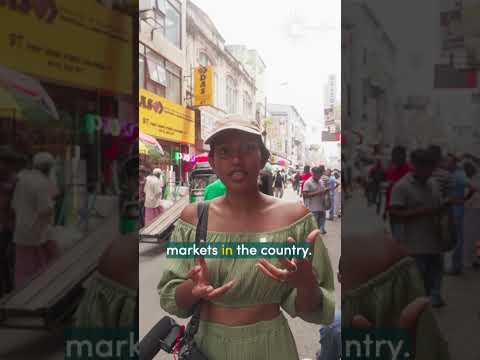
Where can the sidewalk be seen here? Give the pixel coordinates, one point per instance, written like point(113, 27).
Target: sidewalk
point(459, 320)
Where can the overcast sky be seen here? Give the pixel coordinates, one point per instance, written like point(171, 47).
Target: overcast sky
point(302, 56)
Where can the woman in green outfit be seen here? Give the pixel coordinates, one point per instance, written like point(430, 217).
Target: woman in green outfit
point(240, 299)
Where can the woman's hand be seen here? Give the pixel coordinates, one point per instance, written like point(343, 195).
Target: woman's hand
point(297, 273)
point(201, 285)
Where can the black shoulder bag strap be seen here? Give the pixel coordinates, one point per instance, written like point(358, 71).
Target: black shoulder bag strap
point(200, 234)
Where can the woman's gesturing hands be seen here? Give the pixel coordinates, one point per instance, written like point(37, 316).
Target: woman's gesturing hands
point(297, 273)
point(201, 285)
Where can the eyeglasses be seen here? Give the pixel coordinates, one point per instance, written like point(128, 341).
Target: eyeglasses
point(226, 152)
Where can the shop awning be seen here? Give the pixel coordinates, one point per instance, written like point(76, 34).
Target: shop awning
point(148, 145)
point(24, 98)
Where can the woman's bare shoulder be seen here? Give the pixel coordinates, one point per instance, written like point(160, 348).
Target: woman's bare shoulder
point(119, 262)
point(289, 211)
point(189, 214)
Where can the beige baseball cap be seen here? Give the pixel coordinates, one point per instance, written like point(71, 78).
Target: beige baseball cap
point(235, 122)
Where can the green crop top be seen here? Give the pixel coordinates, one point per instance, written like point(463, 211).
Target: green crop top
point(251, 286)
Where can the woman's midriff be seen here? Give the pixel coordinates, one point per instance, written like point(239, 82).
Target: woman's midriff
point(238, 316)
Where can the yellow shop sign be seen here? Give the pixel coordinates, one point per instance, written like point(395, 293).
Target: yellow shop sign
point(203, 94)
point(163, 119)
point(78, 43)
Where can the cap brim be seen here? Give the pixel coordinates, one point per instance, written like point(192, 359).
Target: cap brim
point(231, 127)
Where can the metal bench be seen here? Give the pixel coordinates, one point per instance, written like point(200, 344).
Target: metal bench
point(159, 230)
point(53, 295)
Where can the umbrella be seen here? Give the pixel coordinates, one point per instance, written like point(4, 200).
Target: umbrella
point(22, 97)
point(148, 145)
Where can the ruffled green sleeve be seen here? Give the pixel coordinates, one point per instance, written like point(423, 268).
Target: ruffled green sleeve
point(382, 299)
point(106, 304)
point(322, 268)
point(175, 273)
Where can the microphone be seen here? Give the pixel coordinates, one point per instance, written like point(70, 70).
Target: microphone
point(162, 336)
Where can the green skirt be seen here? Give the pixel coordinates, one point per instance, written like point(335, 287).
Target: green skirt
point(266, 340)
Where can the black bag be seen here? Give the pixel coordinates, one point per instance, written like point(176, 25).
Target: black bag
point(169, 329)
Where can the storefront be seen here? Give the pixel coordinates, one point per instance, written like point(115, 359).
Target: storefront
point(174, 127)
point(70, 62)
point(78, 56)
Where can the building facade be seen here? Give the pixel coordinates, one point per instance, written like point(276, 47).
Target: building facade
point(286, 134)
point(256, 67)
point(234, 87)
point(369, 84)
point(162, 69)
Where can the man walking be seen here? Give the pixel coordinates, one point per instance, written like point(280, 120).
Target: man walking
point(278, 183)
point(33, 205)
point(313, 193)
point(332, 185)
point(153, 196)
point(415, 204)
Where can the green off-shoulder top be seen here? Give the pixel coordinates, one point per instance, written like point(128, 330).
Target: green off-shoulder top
point(382, 299)
point(106, 304)
point(251, 286)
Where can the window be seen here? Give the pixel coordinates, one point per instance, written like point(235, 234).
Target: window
point(157, 72)
point(173, 29)
point(141, 65)
point(247, 104)
point(164, 18)
point(204, 60)
point(141, 71)
point(162, 77)
point(232, 95)
point(217, 90)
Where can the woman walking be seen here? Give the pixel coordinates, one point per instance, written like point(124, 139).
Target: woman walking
point(240, 299)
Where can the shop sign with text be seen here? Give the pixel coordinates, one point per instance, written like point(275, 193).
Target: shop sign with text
point(165, 120)
point(203, 95)
point(79, 43)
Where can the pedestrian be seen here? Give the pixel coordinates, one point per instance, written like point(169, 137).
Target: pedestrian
point(153, 196)
point(397, 169)
point(458, 208)
point(10, 163)
point(416, 203)
point(313, 193)
point(240, 315)
point(375, 178)
point(33, 205)
point(214, 190)
point(472, 216)
point(332, 185)
point(143, 172)
point(278, 183)
point(296, 181)
point(305, 176)
point(266, 180)
point(338, 194)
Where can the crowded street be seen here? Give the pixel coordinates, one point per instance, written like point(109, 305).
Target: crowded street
point(152, 261)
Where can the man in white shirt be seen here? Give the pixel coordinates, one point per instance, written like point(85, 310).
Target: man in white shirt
point(313, 193)
point(33, 204)
point(153, 196)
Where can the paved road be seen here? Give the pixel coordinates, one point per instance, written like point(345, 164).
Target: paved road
point(151, 265)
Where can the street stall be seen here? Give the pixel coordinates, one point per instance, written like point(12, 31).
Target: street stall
point(83, 116)
point(174, 130)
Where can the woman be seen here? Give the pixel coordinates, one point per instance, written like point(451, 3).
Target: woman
point(240, 302)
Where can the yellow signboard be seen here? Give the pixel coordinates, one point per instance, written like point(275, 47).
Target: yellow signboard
point(163, 119)
point(203, 95)
point(78, 43)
